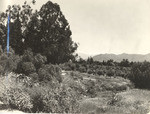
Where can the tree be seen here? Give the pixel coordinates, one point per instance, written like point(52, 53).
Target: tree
point(32, 34)
point(125, 63)
point(56, 42)
point(140, 74)
point(2, 36)
point(19, 18)
point(90, 60)
point(110, 62)
point(16, 36)
point(45, 31)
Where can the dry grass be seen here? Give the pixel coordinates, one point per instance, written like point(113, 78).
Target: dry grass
point(134, 101)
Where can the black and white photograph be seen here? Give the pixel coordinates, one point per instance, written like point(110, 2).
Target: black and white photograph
point(75, 56)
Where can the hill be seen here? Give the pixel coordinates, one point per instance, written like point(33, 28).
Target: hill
point(120, 57)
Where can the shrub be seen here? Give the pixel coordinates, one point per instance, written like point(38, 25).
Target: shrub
point(9, 63)
point(27, 68)
point(36, 95)
point(68, 66)
point(91, 88)
point(111, 72)
point(28, 56)
point(30, 62)
point(16, 98)
point(48, 100)
point(82, 69)
point(44, 75)
point(90, 71)
point(100, 72)
point(140, 75)
point(34, 77)
point(49, 73)
point(76, 76)
point(39, 60)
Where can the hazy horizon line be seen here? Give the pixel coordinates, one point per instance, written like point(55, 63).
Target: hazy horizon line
point(91, 54)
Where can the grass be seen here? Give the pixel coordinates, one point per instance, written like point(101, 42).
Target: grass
point(137, 98)
point(114, 95)
point(134, 101)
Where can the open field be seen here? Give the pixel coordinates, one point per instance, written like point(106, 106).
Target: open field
point(114, 95)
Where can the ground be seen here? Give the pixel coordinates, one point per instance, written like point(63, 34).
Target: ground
point(113, 95)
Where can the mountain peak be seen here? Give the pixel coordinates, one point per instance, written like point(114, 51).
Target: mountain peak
point(120, 57)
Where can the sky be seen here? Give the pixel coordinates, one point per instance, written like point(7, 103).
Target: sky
point(104, 26)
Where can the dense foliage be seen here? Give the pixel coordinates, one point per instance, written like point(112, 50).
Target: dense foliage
point(45, 31)
point(37, 87)
point(37, 39)
point(137, 72)
point(8, 63)
point(140, 74)
point(41, 39)
point(108, 68)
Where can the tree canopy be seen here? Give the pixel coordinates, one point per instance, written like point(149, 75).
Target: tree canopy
point(45, 31)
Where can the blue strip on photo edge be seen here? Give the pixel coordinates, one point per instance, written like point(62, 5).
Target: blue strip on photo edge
point(8, 35)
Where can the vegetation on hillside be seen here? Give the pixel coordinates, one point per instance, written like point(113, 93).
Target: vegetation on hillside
point(109, 68)
point(41, 72)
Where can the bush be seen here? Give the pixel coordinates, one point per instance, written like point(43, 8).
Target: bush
point(27, 68)
point(48, 100)
point(28, 56)
point(110, 72)
point(76, 76)
point(33, 65)
point(100, 72)
point(30, 62)
point(82, 69)
point(9, 63)
point(90, 71)
point(68, 66)
point(140, 75)
point(16, 98)
point(44, 75)
point(34, 77)
point(49, 73)
point(91, 88)
point(39, 60)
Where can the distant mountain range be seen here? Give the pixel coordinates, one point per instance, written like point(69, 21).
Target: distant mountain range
point(120, 57)
point(84, 56)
